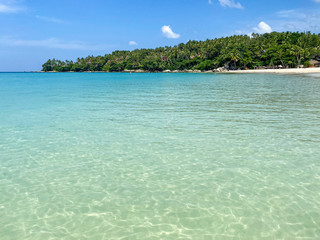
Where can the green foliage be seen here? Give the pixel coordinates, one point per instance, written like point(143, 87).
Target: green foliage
point(287, 49)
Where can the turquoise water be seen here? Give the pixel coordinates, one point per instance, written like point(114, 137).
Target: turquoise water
point(159, 156)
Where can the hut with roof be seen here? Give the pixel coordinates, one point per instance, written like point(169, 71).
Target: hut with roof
point(314, 63)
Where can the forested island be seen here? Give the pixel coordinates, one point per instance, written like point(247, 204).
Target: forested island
point(269, 50)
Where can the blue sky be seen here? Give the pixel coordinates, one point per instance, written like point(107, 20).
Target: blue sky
point(32, 31)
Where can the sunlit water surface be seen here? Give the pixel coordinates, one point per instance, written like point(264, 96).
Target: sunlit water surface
point(159, 156)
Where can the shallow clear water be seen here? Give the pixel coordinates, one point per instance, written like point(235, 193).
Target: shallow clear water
point(159, 156)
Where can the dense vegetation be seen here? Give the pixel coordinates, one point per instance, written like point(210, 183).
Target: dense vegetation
point(288, 49)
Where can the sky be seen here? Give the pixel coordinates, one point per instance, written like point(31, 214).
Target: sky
point(32, 31)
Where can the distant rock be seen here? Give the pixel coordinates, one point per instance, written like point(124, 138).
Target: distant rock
point(220, 69)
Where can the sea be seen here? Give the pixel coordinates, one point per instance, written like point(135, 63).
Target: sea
point(159, 156)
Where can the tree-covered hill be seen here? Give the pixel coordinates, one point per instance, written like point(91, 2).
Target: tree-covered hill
point(287, 49)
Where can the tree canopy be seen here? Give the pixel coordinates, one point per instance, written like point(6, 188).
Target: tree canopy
point(287, 50)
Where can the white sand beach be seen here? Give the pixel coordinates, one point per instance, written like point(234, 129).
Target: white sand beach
point(279, 71)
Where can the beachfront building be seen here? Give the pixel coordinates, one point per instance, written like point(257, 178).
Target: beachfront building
point(314, 63)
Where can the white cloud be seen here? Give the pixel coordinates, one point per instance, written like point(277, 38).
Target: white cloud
point(230, 3)
point(297, 20)
point(133, 43)
point(50, 43)
point(293, 20)
point(239, 32)
point(210, 2)
point(292, 13)
point(263, 28)
point(317, 1)
point(167, 31)
point(4, 8)
point(50, 19)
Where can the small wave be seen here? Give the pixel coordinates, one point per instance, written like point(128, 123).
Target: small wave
point(317, 75)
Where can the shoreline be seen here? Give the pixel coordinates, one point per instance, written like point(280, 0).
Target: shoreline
point(251, 71)
point(278, 71)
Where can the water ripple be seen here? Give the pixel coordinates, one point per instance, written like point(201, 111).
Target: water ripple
point(159, 156)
